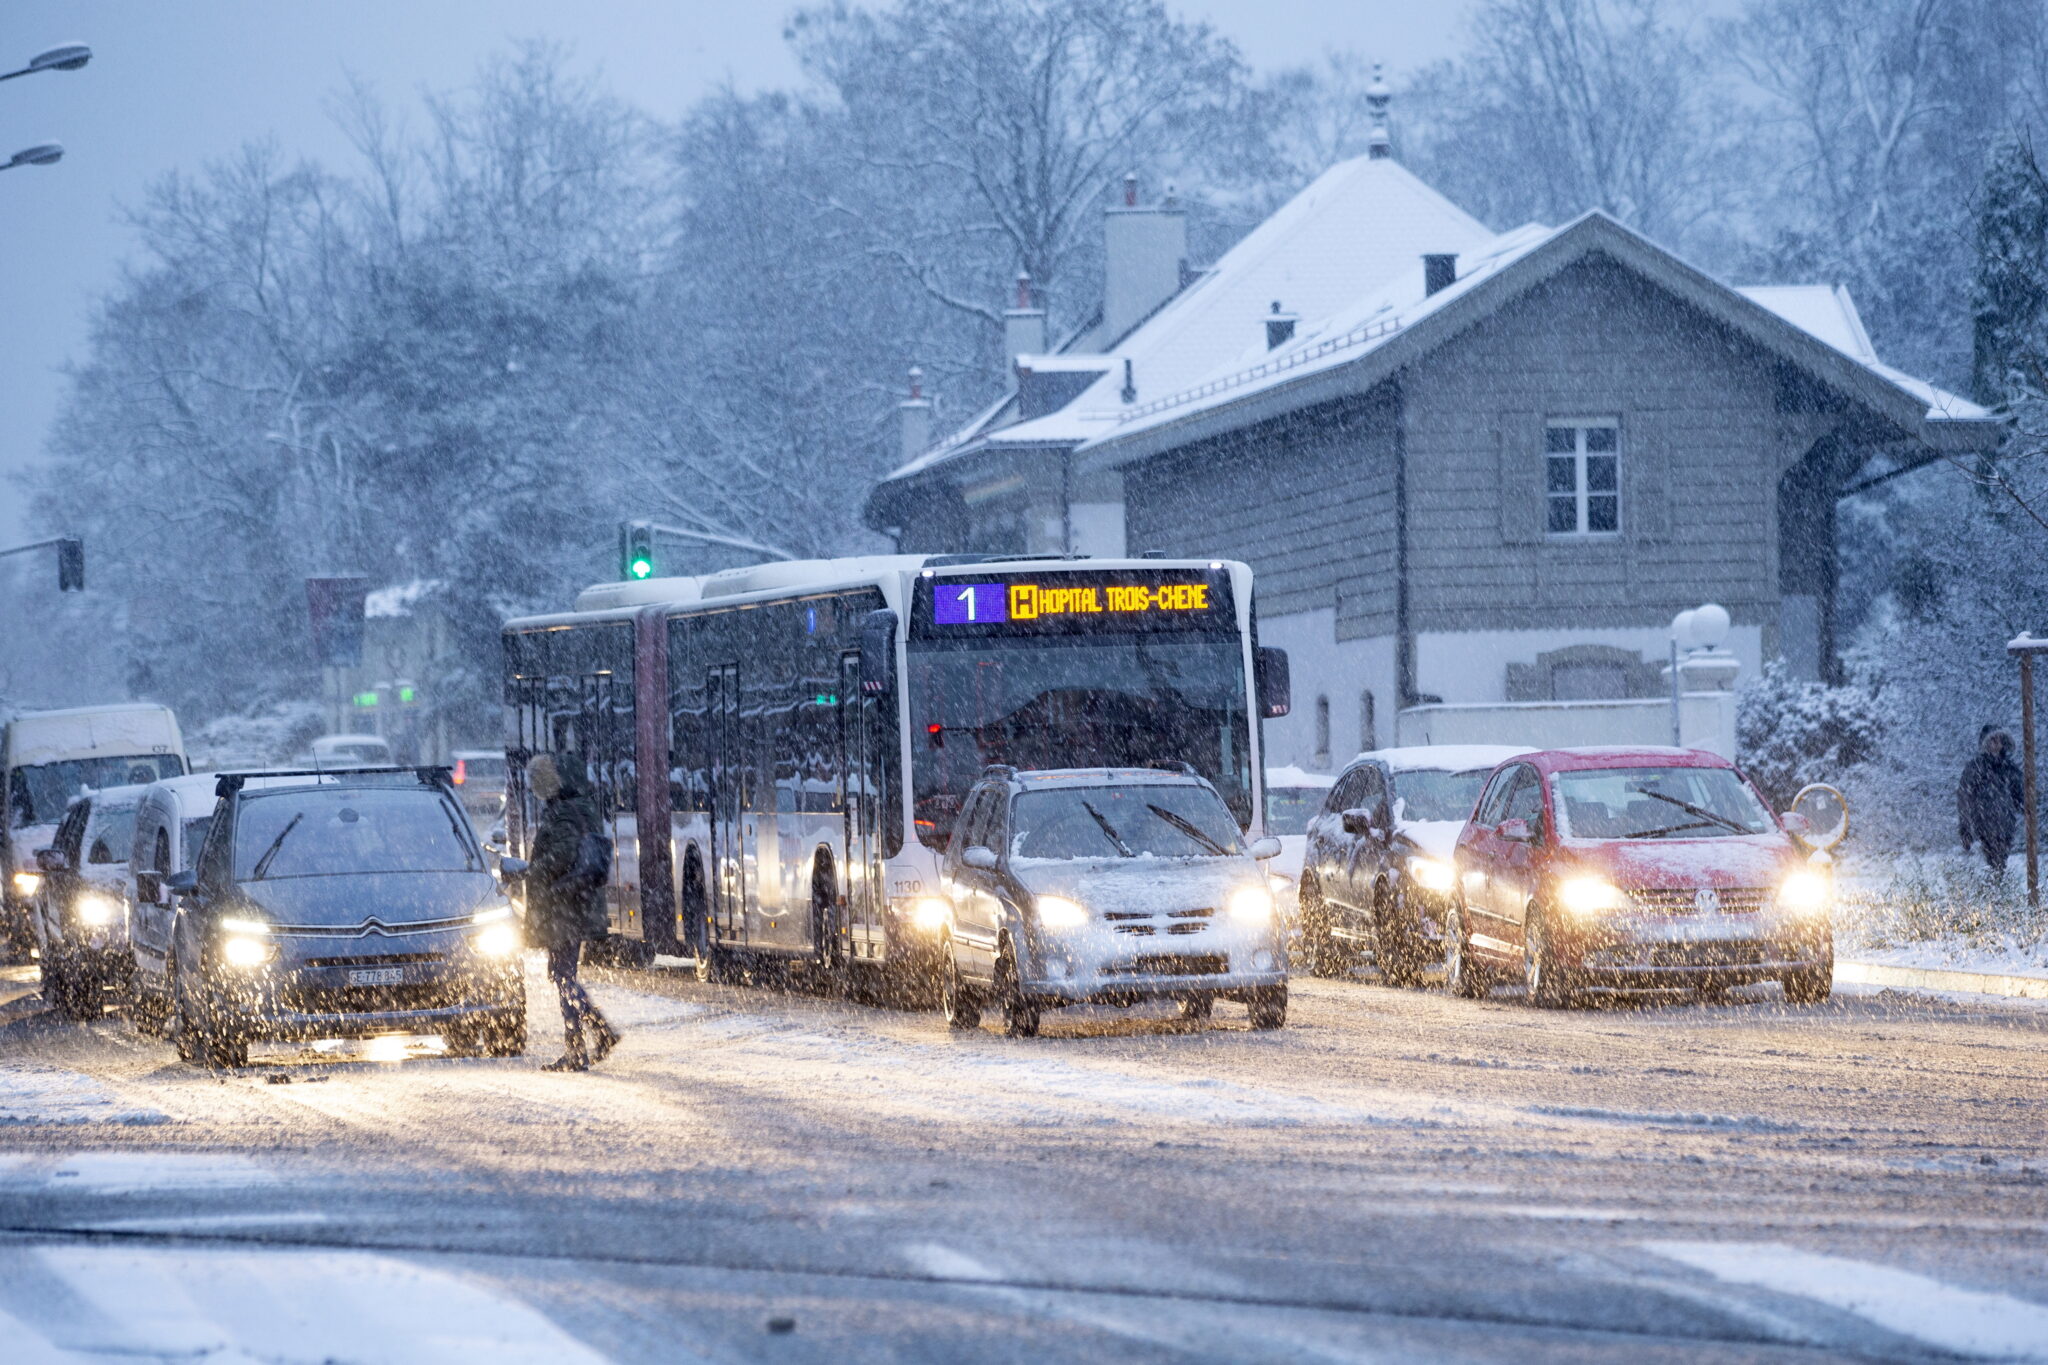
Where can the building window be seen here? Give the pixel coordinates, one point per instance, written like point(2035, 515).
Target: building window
point(1368, 724)
point(1322, 759)
point(1582, 476)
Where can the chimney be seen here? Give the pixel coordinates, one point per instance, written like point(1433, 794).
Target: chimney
point(1145, 260)
point(1439, 271)
point(915, 415)
point(1279, 327)
point(1023, 325)
point(1378, 146)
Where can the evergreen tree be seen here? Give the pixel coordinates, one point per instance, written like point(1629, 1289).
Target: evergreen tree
point(2009, 296)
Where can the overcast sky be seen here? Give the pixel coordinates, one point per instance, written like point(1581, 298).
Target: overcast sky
point(174, 85)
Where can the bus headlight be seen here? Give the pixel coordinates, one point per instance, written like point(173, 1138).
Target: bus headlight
point(929, 913)
point(95, 909)
point(1803, 893)
point(1585, 896)
point(1057, 912)
point(27, 883)
point(1431, 874)
point(1251, 905)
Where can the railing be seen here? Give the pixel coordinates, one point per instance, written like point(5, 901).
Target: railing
point(1357, 336)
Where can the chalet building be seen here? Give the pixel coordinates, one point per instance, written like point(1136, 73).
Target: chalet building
point(1469, 468)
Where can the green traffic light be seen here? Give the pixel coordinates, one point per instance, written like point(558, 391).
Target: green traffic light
point(642, 567)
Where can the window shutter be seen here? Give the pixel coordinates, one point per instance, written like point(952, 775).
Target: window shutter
point(1646, 477)
point(1519, 441)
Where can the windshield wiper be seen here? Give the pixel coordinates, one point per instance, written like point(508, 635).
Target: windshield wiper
point(1108, 829)
point(1186, 827)
point(263, 863)
point(1690, 809)
point(1668, 829)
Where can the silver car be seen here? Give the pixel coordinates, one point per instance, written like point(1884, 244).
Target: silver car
point(1106, 886)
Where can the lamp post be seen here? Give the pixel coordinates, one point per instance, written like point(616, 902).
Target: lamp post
point(67, 57)
point(42, 154)
point(1703, 627)
point(2024, 647)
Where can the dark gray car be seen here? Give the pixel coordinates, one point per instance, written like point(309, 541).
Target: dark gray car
point(340, 905)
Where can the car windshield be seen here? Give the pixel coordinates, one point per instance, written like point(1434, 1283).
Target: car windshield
point(331, 830)
point(1431, 794)
point(1122, 822)
point(1658, 803)
point(1289, 809)
point(109, 834)
point(38, 793)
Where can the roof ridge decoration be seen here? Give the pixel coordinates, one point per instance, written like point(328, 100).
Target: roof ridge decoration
point(1357, 336)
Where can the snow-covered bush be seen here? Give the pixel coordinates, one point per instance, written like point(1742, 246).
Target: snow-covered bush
point(1790, 733)
point(268, 735)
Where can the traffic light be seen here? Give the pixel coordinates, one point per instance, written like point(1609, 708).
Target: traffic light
point(70, 566)
point(636, 550)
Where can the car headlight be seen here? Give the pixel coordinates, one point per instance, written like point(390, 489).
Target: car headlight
point(498, 940)
point(1589, 896)
point(1803, 893)
point(1432, 874)
point(1251, 905)
point(256, 927)
point(1057, 912)
point(95, 909)
point(27, 883)
point(244, 950)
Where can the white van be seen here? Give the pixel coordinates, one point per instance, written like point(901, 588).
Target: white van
point(47, 758)
point(171, 821)
point(346, 751)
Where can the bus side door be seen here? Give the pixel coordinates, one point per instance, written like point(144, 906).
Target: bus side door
point(861, 797)
point(728, 765)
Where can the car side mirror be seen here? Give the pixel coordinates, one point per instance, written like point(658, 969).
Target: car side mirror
point(182, 883)
point(50, 860)
point(1265, 848)
point(149, 888)
point(1517, 831)
point(1795, 824)
point(979, 857)
point(509, 868)
point(1362, 821)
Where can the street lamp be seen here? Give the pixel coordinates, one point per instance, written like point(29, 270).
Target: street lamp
point(46, 154)
point(68, 57)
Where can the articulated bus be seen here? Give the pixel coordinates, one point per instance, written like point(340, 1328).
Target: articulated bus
point(779, 751)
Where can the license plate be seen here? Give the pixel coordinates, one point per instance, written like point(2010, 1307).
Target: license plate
point(377, 976)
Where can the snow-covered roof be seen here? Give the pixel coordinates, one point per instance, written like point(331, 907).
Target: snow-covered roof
point(1284, 777)
point(1384, 316)
point(398, 599)
point(1360, 224)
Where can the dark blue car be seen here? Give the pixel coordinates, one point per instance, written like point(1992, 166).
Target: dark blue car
point(340, 905)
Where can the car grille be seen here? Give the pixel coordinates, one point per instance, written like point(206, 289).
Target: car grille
point(1736, 953)
point(1171, 964)
point(368, 999)
point(1144, 923)
point(1685, 900)
point(383, 960)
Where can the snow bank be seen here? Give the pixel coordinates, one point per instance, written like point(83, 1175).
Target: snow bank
point(46, 1094)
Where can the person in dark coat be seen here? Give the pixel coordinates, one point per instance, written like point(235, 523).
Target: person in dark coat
point(565, 880)
point(1990, 798)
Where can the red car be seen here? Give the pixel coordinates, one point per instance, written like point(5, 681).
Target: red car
point(1638, 868)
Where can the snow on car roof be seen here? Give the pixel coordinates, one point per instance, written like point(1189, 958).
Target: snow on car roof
point(1448, 758)
point(1626, 756)
point(1298, 777)
point(1096, 777)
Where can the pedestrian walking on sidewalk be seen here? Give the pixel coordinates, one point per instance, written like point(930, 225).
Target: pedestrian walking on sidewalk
point(1990, 797)
point(565, 881)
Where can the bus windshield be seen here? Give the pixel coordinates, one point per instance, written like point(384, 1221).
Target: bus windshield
point(1105, 701)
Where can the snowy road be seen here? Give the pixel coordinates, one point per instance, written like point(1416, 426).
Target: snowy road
point(1397, 1175)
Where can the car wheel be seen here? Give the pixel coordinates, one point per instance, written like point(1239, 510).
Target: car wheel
point(203, 1040)
point(956, 999)
point(150, 1010)
point(1396, 945)
point(1548, 985)
point(1464, 976)
point(1267, 1006)
point(1811, 985)
point(1198, 1008)
point(1020, 1013)
point(1325, 956)
point(79, 997)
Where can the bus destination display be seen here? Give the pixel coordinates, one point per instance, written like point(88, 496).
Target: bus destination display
point(1065, 603)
